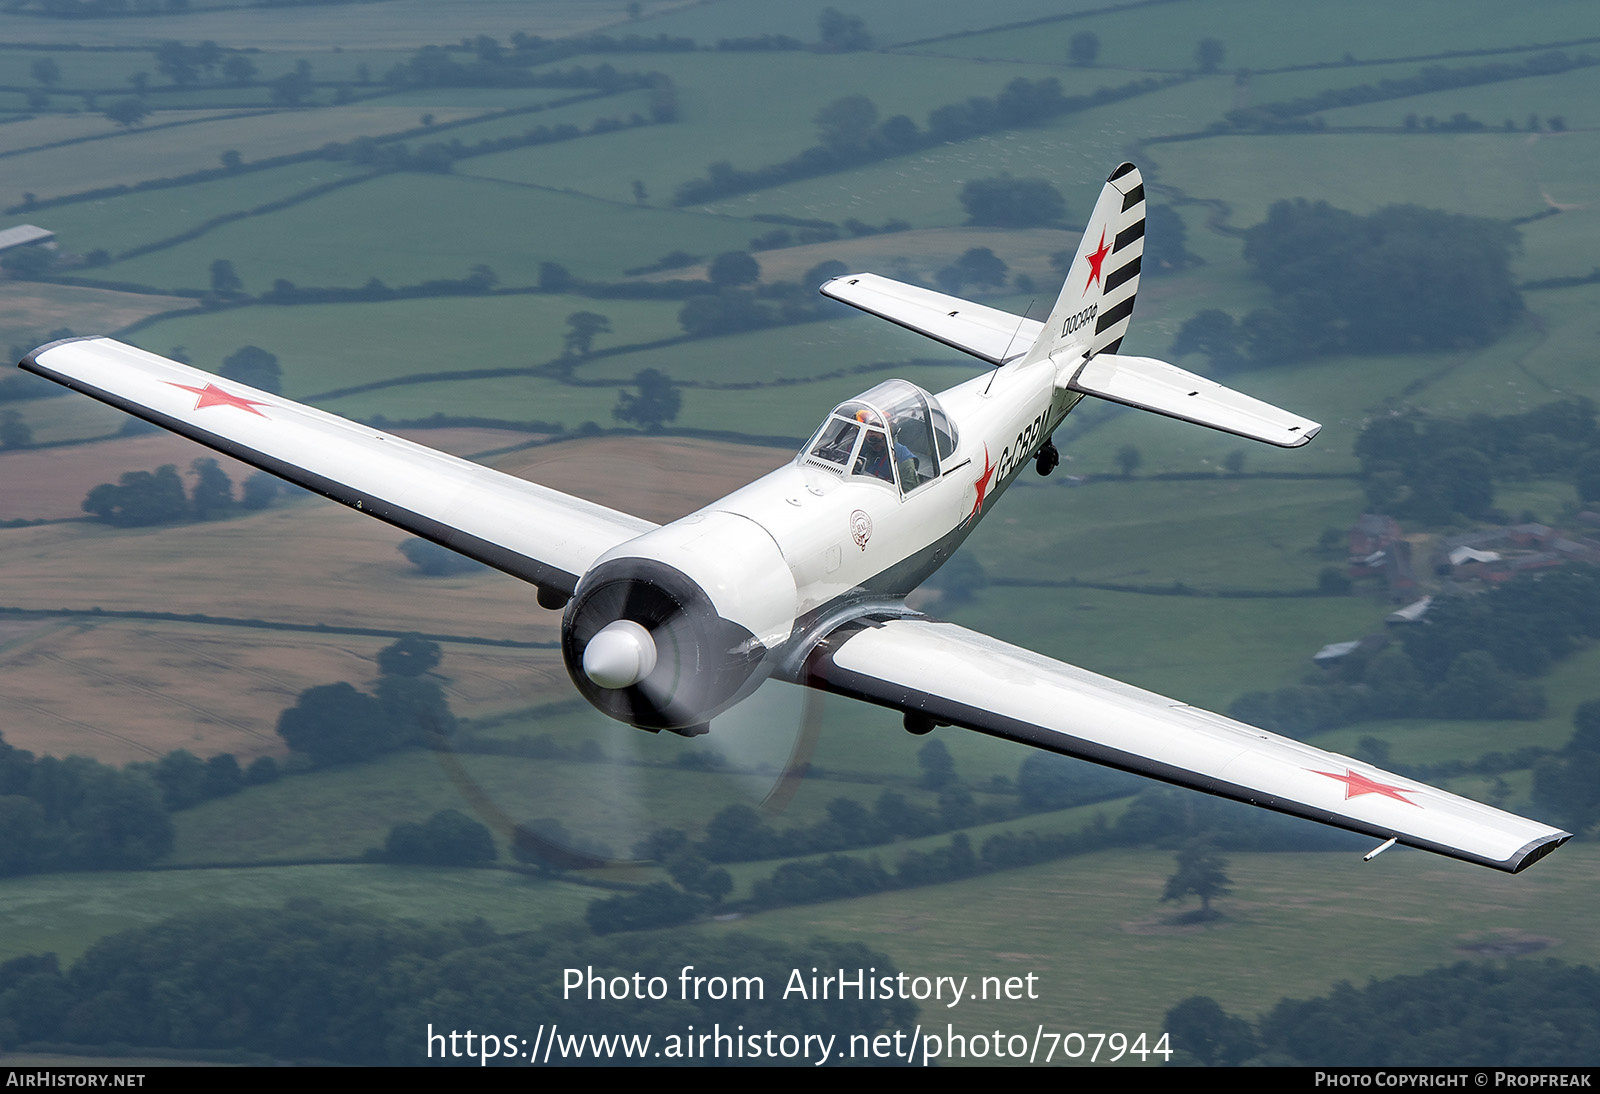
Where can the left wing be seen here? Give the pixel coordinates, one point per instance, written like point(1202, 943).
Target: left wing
point(959, 677)
point(527, 530)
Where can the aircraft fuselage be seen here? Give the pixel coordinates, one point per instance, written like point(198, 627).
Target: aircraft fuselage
point(732, 591)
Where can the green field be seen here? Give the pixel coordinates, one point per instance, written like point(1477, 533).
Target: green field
point(448, 225)
point(1109, 955)
point(327, 347)
point(1261, 34)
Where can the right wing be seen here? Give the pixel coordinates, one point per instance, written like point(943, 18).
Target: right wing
point(949, 675)
point(526, 530)
point(987, 333)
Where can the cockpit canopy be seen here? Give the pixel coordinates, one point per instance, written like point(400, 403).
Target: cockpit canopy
point(896, 433)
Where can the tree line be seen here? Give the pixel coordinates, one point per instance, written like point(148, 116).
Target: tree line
point(313, 983)
point(851, 134)
point(1475, 658)
point(1399, 280)
point(1434, 468)
point(77, 813)
point(1519, 1013)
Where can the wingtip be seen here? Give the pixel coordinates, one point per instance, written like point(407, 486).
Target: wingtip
point(31, 360)
point(1535, 851)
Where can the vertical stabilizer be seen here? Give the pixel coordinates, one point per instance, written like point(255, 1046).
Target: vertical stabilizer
point(1092, 313)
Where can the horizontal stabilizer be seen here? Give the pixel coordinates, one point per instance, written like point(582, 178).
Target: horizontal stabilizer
point(1148, 384)
point(988, 333)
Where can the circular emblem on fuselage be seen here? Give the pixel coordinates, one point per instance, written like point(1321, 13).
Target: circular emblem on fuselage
point(860, 528)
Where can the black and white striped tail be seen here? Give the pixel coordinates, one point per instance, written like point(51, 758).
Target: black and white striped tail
point(1120, 273)
point(1096, 302)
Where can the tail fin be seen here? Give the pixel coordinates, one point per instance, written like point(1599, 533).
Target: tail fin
point(1091, 314)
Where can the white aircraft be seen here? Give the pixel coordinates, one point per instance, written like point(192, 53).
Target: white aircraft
point(802, 575)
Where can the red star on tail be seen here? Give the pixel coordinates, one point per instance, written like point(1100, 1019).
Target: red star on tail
point(1356, 785)
point(1095, 260)
point(212, 395)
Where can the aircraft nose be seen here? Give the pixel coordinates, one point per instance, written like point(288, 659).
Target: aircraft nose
point(620, 655)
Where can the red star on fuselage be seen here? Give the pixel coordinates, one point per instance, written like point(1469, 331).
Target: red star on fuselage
point(212, 395)
point(1355, 785)
point(1095, 260)
point(982, 485)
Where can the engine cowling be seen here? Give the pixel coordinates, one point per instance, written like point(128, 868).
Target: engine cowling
point(673, 628)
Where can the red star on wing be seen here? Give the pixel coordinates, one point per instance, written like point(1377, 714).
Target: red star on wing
point(1095, 261)
point(1355, 785)
point(212, 395)
point(982, 485)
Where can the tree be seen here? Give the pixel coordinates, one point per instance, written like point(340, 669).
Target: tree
point(127, 112)
point(1214, 333)
point(582, 326)
point(1166, 242)
point(1586, 727)
point(140, 498)
point(182, 778)
point(1012, 203)
point(27, 262)
point(1457, 480)
point(238, 69)
point(1129, 460)
point(554, 277)
point(14, 432)
point(938, 766)
point(656, 404)
point(177, 62)
point(46, 71)
point(1200, 1027)
point(292, 88)
point(1201, 872)
point(336, 724)
point(121, 822)
point(1401, 279)
point(448, 838)
point(1083, 48)
point(1586, 476)
point(224, 281)
point(259, 490)
point(1209, 54)
point(641, 196)
point(213, 490)
point(734, 268)
point(254, 366)
point(978, 266)
point(417, 710)
point(232, 160)
point(841, 33)
point(846, 125)
point(412, 656)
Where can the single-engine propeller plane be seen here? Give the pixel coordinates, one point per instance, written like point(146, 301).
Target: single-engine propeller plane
point(802, 575)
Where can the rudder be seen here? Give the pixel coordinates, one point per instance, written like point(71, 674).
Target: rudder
point(1096, 302)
